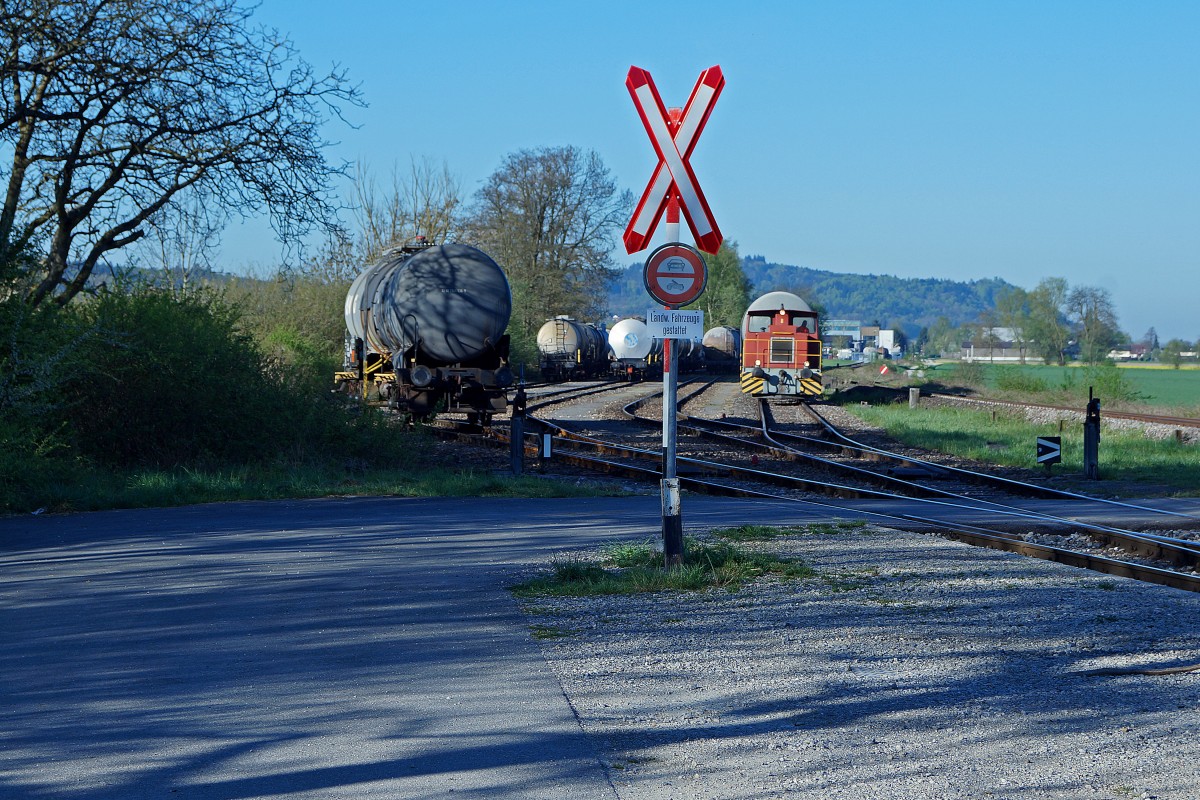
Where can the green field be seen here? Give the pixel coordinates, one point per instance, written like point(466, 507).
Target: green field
point(1144, 386)
point(1159, 466)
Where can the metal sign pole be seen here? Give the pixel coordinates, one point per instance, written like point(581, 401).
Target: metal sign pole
point(675, 274)
point(672, 518)
point(672, 521)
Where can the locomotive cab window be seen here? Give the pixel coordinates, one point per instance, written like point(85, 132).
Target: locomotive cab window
point(782, 351)
point(757, 323)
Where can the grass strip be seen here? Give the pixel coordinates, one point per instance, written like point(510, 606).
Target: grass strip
point(95, 489)
point(631, 568)
point(1007, 438)
point(761, 533)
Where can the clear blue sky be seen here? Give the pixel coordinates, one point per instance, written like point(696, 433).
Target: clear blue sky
point(922, 139)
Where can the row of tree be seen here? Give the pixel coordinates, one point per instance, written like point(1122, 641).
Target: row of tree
point(1051, 322)
point(136, 129)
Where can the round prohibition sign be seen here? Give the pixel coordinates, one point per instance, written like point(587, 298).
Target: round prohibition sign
point(675, 274)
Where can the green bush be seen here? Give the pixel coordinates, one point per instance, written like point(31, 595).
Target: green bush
point(1112, 384)
point(1018, 380)
point(172, 378)
point(147, 381)
point(522, 351)
point(39, 359)
point(969, 373)
point(31, 459)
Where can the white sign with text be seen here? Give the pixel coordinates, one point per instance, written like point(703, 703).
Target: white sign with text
point(673, 324)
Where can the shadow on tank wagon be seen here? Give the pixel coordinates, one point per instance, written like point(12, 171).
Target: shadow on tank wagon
point(425, 332)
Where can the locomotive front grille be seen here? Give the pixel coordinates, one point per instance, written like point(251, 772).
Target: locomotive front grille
point(783, 351)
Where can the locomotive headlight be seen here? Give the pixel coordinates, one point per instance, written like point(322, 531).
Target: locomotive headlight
point(421, 375)
point(806, 365)
point(758, 362)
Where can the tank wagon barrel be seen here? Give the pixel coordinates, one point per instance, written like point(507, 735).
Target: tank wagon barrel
point(722, 349)
point(425, 325)
point(571, 349)
point(636, 356)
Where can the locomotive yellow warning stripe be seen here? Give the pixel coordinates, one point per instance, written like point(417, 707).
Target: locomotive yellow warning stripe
point(751, 384)
point(810, 386)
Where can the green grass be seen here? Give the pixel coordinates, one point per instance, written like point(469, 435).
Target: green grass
point(94, 489)
point(1010, 441)
point(760, 533)
point(1135, 385)
point(752, 533)
point(635, 568)
point(545, 632)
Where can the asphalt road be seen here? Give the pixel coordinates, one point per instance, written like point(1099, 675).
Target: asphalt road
point(342, 648)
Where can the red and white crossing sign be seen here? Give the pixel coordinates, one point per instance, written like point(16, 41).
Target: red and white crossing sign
point(674, 143)
point(675, 275)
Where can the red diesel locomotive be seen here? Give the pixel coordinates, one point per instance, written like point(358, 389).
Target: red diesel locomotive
point(781, 348)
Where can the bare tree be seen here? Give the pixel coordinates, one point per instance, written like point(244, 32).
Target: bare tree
point(987, 332)
point(112, 110)
point(1092, 310)
point(180, 240)
point(550, 217)
point(426, 202)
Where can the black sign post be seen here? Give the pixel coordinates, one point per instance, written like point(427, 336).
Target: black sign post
point(1091, 438)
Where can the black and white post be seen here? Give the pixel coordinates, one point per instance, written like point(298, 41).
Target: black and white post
point(672, 517)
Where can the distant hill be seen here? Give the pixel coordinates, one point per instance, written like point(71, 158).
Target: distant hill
point(907, 304)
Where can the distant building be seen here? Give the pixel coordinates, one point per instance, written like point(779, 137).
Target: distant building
point(841, 327)
point(860, 336)
point(994, 344)
point(1134, 352)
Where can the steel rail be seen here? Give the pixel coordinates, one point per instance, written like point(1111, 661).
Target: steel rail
point(1155, 419)
point(550, 398)
point(1179, 552)
point(1061, 494)
point(971, 534)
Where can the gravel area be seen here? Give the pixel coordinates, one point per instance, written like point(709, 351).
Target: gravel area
point(911, 667)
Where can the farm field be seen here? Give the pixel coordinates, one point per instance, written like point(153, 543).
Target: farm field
point(1141, 386)
point(1156, 466)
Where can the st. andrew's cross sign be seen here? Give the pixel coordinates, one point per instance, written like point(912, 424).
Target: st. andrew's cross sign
point(674, 142)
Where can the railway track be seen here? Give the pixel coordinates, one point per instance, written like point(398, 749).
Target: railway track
point(1153, 419)
point(637, 456)
point(833, 438)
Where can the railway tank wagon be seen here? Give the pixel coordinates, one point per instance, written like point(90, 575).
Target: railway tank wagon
point(722, 349)
point(635, 355)
point(425, 330)
point(690, 353)
point(571, 350)
point(781, 348)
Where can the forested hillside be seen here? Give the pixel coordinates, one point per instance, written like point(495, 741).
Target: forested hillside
point(907, 304)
